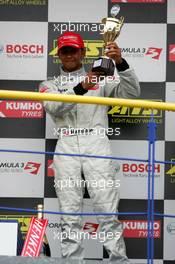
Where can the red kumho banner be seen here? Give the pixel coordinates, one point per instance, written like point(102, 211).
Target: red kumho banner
point(21, 109)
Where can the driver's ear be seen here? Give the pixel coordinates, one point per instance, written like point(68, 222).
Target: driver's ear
point(58, 53)
point(83, 53)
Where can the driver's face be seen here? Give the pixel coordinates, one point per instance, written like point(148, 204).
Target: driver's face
point(71, 58)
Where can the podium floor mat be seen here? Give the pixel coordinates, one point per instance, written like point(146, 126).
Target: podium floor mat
point(45, 260)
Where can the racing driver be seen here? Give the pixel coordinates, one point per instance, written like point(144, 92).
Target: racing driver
point(81, 125)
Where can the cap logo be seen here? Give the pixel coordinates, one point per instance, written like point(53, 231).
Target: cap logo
point(69, 37)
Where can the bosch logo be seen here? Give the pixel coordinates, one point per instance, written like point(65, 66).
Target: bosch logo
point(24, 49)
point(134, 167)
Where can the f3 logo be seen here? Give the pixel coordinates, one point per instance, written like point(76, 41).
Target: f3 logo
point(154, 53)
point(91, 228)
point(32, 167)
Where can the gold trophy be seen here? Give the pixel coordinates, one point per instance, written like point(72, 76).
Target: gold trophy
point(112, 28)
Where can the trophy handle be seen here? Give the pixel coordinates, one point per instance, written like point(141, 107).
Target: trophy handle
point(103, 20)
point(122, 21)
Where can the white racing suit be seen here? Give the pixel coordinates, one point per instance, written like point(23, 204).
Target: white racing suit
point(94, 118)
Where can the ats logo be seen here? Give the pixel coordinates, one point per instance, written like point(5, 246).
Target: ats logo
point(94, 49)
point(137, 115)
point(172, 52)
point(139, 228)
point(171, 171)
point(21, 109)
point(20, 167)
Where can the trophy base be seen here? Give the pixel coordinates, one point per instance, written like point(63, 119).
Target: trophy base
point(104, 65)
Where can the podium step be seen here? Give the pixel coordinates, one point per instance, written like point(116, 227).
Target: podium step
point(45, 260)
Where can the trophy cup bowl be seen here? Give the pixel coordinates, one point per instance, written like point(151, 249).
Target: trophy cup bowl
point(112, 28)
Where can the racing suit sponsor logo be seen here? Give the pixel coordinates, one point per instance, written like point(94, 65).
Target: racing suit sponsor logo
point(96, 87)
point(43, 89)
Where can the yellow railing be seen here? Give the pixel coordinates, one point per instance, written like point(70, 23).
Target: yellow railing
point(21, 95)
